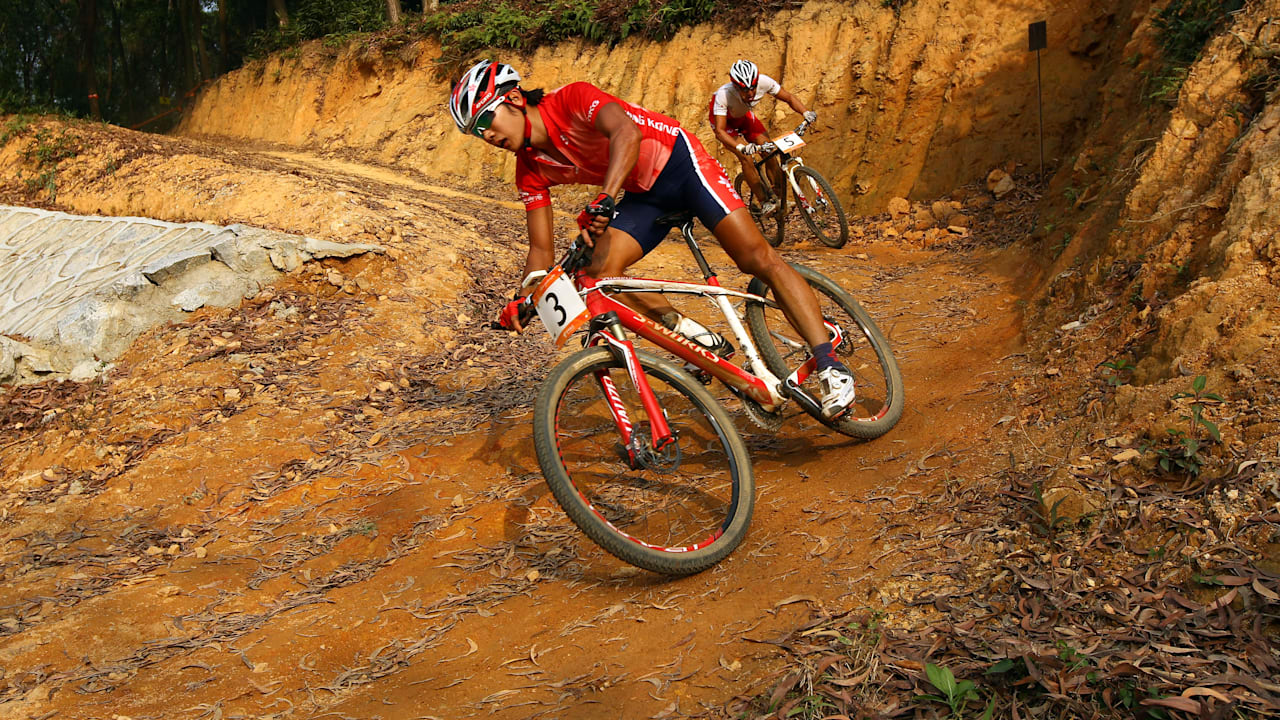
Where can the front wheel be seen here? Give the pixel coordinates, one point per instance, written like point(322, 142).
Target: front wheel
point(773, 225)
point(864, 350)
point(676, 511)
point(820, 208)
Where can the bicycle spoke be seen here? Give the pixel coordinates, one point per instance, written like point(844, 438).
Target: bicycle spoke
point(662, 502)
point(863, 350)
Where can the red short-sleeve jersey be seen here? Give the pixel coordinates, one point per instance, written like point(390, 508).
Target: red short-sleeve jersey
point(570, 115)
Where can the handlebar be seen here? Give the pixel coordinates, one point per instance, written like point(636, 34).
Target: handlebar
point(575, 258)
point(769, 147)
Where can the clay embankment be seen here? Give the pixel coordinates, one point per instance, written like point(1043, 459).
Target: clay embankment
point(911, 104)
point(1162, 237)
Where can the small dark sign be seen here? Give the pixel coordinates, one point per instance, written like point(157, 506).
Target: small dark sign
point(1037, 36)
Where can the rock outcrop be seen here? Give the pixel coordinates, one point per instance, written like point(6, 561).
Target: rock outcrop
point(78, 289)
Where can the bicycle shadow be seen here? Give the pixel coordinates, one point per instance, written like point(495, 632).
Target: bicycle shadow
point(578, 558)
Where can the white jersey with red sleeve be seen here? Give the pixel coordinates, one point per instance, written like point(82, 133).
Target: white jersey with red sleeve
point(569, 114)
point(728, 102)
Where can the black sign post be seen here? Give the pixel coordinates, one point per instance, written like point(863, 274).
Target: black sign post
point(1037, 40)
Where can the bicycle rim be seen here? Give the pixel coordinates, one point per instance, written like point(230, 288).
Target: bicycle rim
point(864, 350)
point(676, 512)
point(772, 226)
point(820, 208)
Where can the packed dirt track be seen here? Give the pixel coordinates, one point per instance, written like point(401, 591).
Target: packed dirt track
point(325, 502)
point(288, 509)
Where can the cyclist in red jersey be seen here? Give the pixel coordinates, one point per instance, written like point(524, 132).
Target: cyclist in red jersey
point(731, 117)
point(579, 134)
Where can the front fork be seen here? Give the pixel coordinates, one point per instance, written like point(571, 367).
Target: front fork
point(607, 329)
point(790, 171)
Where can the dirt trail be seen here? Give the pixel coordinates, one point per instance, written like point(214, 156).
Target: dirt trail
point(287, 510)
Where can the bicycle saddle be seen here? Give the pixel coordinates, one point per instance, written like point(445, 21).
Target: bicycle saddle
point(675, 219)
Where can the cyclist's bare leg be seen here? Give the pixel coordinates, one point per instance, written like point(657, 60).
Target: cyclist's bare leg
point(773, 166)
point(615, 251)
point(742, 240)
point(749, 173)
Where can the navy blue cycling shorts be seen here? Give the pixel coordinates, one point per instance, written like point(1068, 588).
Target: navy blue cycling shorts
point(691, 180)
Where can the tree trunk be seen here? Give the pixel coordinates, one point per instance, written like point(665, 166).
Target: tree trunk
point(281, 13)
point(393, 12)
point(431, 5)
point(188, 48)
point(224, 51)
point(196, 13)
point(125, 104)
point(88, 68)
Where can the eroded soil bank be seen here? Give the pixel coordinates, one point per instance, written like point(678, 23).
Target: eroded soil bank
point(913, 102)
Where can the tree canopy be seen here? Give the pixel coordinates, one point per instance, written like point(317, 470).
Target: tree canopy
point(139, 62)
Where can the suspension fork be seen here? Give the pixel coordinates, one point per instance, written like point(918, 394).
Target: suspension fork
point(607, 329)
point(790, 170)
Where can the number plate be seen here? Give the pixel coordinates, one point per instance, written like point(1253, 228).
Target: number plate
point(789, 142)
point(559, 306)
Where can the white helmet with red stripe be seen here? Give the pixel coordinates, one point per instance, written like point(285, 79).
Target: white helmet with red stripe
point(744, 75)
point(481, 88)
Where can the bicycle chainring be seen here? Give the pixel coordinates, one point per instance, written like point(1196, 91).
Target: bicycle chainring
point(764, 419)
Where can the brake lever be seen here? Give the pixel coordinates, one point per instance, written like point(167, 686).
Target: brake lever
point(524, 314)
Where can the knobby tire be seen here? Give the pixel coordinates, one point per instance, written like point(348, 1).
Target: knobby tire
point(865, 351)
point(831, 236)
point(582, 458)
point(772, 226)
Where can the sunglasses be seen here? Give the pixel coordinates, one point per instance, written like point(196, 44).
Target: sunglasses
point(483, 121)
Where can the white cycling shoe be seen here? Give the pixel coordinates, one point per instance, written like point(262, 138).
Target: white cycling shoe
point(838, 391)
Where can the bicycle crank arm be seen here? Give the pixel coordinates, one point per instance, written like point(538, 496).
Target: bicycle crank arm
point(802, 397)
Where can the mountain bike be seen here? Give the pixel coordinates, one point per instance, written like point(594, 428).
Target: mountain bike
point(818, 204)
point(636, 450)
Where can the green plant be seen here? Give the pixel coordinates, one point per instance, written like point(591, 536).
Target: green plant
point(1118, 367)
point(1182, 270)
point(1185, 456)
point(15, 127)
point(1072, 657)
point(1135, 295)
point(955, 694)
point(1044, 517)
point(1183, 27)
point(1071, 194)
point(1062, 244)
point(47, 149)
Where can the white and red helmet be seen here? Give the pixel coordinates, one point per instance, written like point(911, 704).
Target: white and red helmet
point(744, 75)
point(481, 88)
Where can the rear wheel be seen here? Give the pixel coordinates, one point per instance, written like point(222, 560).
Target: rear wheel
point(678, 510)
point(863, 349)
point(773, 225)
point(820, 208)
